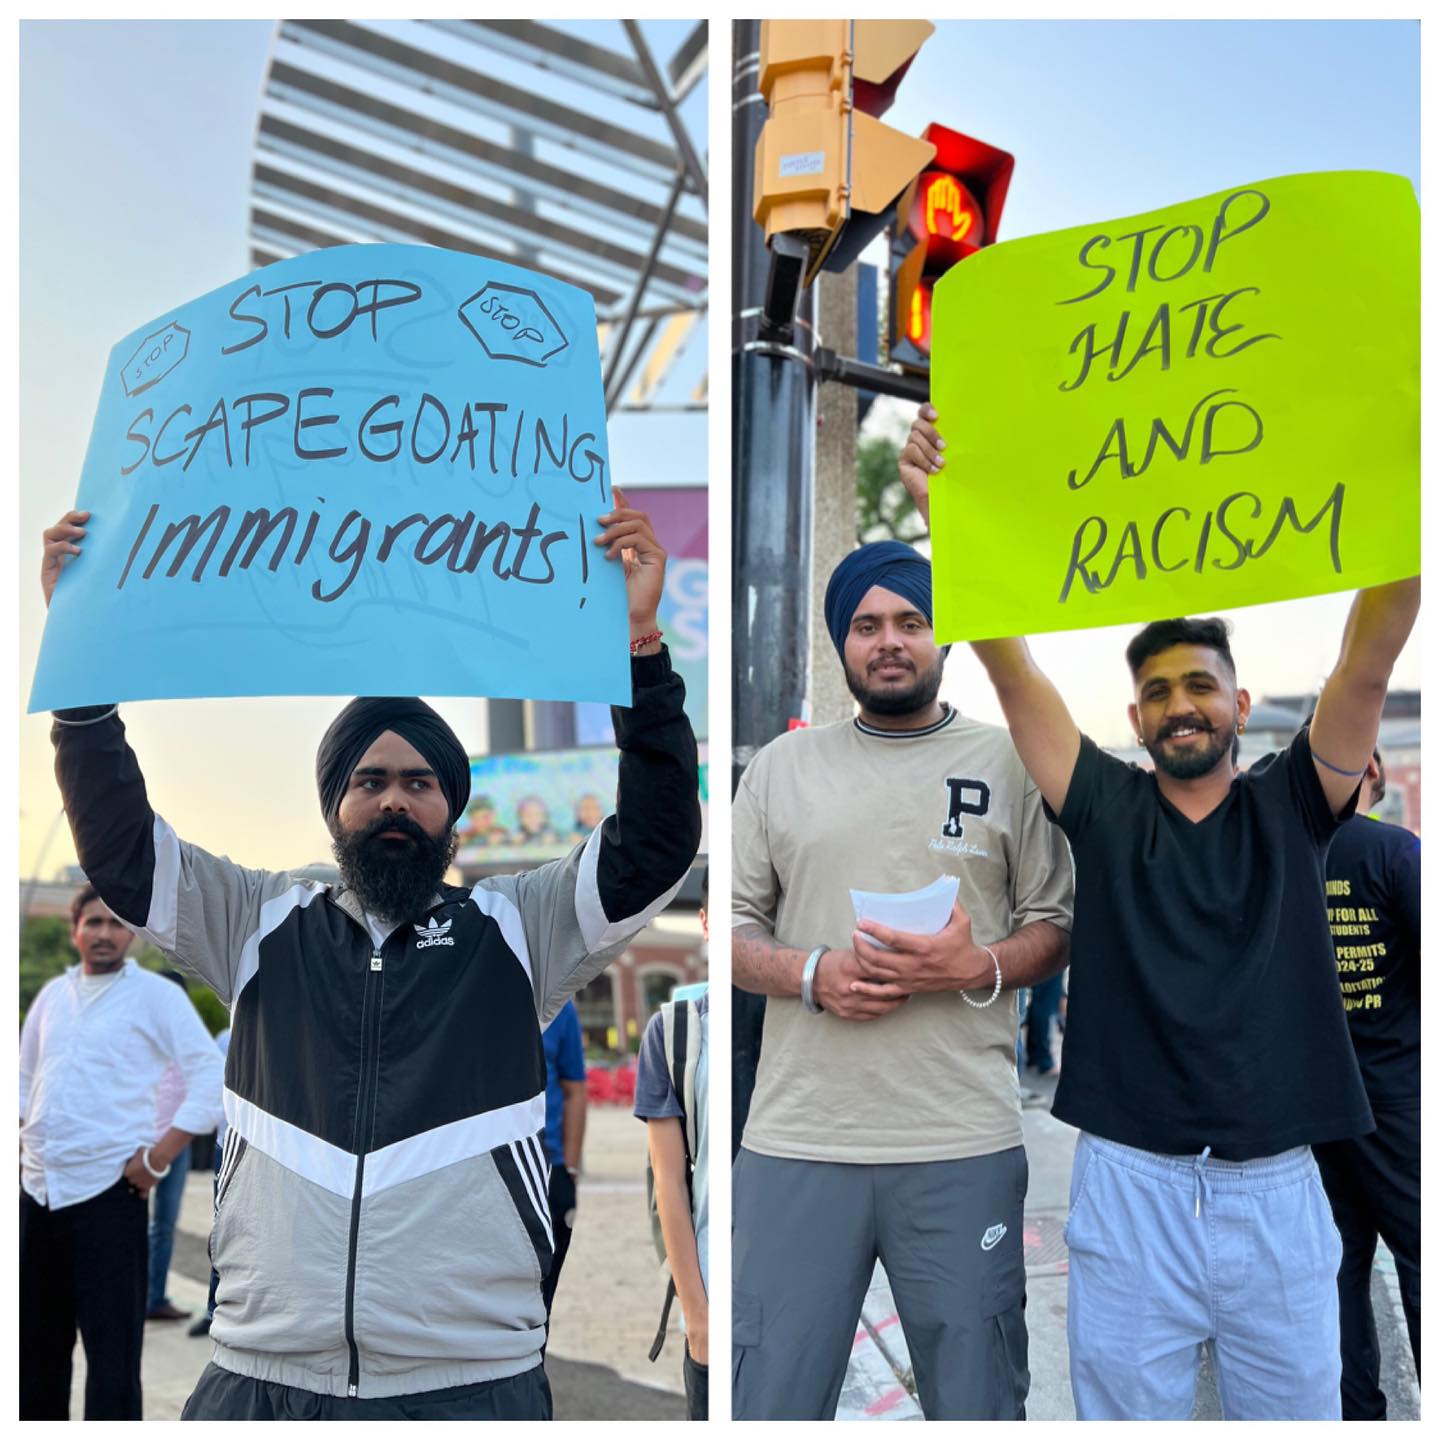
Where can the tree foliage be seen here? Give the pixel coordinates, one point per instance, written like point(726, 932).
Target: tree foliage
point(44, 953)
point(883, 509)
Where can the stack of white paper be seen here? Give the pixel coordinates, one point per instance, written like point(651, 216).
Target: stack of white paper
point(918, 912)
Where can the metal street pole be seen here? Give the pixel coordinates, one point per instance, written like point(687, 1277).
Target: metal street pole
point(772, 487)
point(774, 434)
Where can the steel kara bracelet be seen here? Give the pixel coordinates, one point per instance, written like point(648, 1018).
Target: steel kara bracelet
point(807, 980)
point(995, 993)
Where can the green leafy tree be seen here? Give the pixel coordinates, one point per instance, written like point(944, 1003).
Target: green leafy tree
point(44, 953)
point(883, 509)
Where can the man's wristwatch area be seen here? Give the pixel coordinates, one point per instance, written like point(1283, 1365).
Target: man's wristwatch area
point(807, 980)
point(651, 669)
point(83, 715)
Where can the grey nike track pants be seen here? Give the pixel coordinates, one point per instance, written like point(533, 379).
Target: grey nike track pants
point(949, 1233)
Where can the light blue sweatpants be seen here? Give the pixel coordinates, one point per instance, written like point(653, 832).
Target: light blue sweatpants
point(1168, 1252)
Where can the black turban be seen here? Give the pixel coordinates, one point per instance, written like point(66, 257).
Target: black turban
point(356, 728)
point(896, 567)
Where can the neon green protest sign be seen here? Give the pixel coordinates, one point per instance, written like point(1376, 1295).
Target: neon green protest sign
point(1212, 405)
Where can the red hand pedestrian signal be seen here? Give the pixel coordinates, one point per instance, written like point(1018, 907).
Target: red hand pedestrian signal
point(951, 211)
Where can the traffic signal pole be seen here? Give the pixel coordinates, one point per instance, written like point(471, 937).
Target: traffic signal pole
point(772, 484)
point(861, 376)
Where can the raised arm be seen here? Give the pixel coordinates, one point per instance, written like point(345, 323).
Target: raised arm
point(1347, 717)
point(580, 911)
point(1040, 723)
point(196, 907)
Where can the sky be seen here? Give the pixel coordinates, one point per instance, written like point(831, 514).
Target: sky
point(136, 146)
point(1110, 118)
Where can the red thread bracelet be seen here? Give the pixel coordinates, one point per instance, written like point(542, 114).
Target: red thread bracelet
point(645, 640)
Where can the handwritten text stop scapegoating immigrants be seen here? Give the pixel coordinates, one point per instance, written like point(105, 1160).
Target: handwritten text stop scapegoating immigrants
point(473, 436)
point(474, 439)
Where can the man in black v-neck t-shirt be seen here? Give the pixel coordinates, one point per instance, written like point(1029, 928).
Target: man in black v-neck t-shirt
point(1229, 1032)
point(1205, 1045)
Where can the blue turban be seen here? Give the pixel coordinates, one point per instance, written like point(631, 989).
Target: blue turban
point(899, 568)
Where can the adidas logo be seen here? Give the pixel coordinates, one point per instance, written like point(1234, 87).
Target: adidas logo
point(433, 934)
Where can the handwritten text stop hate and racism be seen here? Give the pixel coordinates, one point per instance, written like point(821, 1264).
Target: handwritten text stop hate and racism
point(1218, 423)
point(455, 432)
point(1178, 410)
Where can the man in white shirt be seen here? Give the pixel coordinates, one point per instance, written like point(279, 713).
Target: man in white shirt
point(93, 1049)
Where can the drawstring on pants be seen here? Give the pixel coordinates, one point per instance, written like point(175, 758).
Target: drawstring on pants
point(1201, 1184)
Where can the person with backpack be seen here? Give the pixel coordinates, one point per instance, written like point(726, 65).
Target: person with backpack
point(671, 1096)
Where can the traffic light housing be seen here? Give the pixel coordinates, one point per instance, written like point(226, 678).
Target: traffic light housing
point(948, 212)
point(827, 172)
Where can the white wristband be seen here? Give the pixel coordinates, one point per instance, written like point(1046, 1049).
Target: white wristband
point(995, 993)
point(149, 1168)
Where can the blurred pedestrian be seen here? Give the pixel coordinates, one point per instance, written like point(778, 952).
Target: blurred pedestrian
point(677, 1140)
point(672, 1096)
point(165, 1199)
point(1040, 1023)
point(1373, 1181)
point(565, 1102)
point(95, 1044)
point(202, 1325)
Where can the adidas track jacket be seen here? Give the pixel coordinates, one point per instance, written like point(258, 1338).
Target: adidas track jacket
point(381, 1222)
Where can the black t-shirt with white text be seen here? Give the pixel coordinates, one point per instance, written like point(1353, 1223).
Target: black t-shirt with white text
point(1373, 888)
point(1204, 1001)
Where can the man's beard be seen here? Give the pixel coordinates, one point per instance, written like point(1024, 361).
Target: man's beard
point(394, 878)
point(1196, 760)
point(891, 702)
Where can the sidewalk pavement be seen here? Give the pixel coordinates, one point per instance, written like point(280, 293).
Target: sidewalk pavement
point(879, 1385)
point(605, 1314)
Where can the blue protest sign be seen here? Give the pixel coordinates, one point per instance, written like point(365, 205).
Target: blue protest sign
point(374, 469)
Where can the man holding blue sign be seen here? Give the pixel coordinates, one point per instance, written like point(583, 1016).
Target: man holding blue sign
point(1206, 1047)
point(382, 1230)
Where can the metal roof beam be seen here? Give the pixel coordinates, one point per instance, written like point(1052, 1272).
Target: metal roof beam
point(643, 279)
point(637, 351)
point(483, 93)
point(686, 67)
point(310, 236)
point(546, 48)
point(691, 161)
point(467, 203)
point(470, 151)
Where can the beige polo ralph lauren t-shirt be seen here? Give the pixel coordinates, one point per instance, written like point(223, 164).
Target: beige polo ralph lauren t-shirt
point(824, 810)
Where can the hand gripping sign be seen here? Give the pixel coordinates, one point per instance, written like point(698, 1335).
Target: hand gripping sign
point(375, 469)
point(1212, 405)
